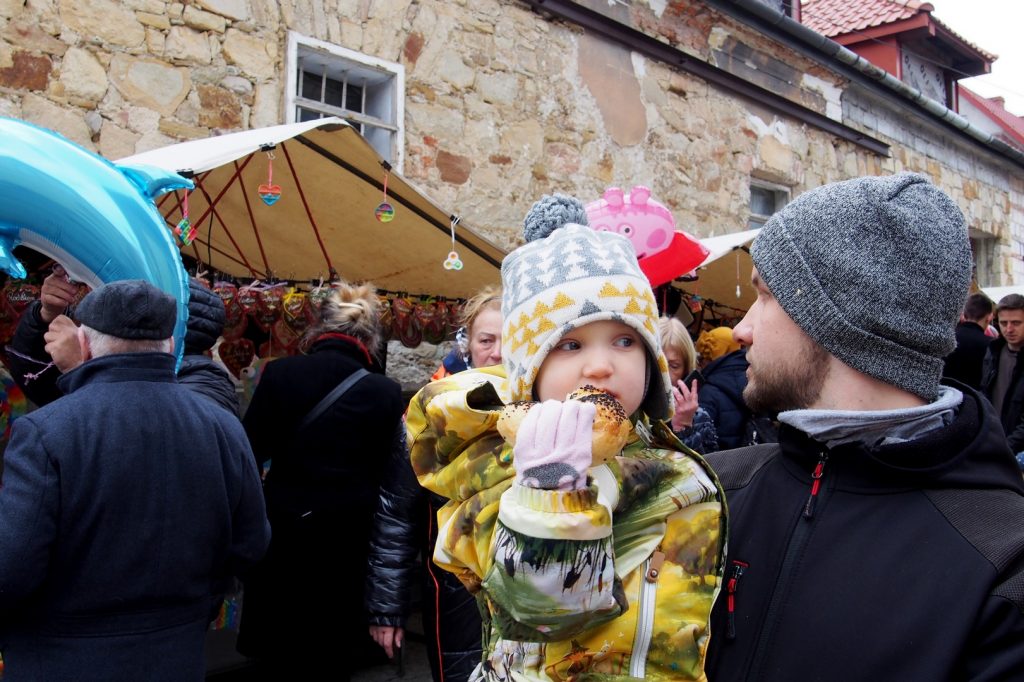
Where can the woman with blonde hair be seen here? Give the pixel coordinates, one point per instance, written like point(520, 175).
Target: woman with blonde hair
point(325, 419)
point(690, 422)
point(405, 526)
point(478, 338)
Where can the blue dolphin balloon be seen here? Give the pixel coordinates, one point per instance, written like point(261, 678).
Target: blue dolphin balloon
point(96, 219)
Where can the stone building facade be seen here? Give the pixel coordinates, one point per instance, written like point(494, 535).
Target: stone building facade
point(500, 103)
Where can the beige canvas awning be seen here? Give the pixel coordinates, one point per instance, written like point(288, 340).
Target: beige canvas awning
point(724, 277)
point(331, 181)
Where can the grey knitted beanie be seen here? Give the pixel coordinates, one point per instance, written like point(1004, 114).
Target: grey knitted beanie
point(550, 212)
point(876, 270)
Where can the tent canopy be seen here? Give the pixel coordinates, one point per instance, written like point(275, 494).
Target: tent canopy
point(996, 293)
point(331, 182)
point(724, 277)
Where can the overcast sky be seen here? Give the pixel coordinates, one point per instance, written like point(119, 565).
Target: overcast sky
point(996, 26)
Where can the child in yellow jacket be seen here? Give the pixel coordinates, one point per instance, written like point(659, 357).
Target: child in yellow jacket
point(583, 569)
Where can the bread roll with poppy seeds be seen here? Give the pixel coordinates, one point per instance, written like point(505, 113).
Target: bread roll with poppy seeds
point(611, 423)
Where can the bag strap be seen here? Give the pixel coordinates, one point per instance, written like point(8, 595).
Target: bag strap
point(332, 397)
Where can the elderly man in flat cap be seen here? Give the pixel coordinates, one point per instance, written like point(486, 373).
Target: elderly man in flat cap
point(125, 508)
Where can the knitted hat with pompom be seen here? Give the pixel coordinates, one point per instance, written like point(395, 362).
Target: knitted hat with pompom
point(568, 275)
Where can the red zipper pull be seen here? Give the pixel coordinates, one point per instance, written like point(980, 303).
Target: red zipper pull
point(819, 472)
point(738, 567)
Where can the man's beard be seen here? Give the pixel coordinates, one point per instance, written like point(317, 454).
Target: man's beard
point(791, 384)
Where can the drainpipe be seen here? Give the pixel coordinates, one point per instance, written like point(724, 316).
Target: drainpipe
point(846, 56)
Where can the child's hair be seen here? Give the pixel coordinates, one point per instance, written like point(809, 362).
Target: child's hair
point(674, 335)
point(353, 310)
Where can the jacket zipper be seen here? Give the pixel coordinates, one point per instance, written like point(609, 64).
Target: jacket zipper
point(738, 568)
point(794, 550)
point(819, 471)
point(645, 614)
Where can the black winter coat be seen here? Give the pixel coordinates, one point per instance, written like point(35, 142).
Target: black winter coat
point(406, 526)
point(204, 376)
point(304, 601)
point(126, 507)
point(721, 394)
point(907, 563)
point(1013, 403)
point(964, 364)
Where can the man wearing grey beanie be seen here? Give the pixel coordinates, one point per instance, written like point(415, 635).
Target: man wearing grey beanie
point(882, 537)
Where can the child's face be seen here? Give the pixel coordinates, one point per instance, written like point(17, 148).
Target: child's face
point(606, 354)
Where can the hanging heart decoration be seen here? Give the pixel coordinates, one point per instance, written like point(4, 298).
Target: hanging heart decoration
point(269, 193)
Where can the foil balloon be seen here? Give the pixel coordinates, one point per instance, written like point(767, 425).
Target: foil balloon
point(96, 219)
point(662, 251)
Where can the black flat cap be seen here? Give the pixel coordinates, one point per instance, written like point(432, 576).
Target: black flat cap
point(129, 309)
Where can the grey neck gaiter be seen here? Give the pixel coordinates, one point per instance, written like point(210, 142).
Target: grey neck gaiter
point(876, 427)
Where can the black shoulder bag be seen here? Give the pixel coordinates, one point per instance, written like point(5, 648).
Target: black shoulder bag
point(332, 397)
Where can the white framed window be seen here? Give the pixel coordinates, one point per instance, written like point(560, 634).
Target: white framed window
point(329, 80)
point(766, 198)
point(983, 256)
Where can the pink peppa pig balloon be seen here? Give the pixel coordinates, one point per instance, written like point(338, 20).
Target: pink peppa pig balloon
point(663, 252)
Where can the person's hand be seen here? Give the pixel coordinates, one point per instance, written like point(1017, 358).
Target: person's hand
point(554, 445)
point(685, 403)
point(62, 343)
point(389, 637)
point(56, 294)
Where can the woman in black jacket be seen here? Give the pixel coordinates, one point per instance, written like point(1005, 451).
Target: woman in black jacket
point(405, 527)
point(303, 609)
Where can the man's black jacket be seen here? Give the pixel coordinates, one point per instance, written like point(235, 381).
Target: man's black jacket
point(907, 563)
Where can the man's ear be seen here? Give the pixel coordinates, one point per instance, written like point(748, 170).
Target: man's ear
point(83, 342)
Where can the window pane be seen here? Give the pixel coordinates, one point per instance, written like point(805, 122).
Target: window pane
point(310, 87)
point(332, 95)
point(762, 201)
point(307, 115)
point(354, 98)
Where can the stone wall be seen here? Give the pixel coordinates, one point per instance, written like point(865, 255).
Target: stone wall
point(501, 106)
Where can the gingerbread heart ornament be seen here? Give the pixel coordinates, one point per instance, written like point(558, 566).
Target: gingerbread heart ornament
point(268, 307)
point(19, 295)
point(404, 324)
point(236, 354)
point(431, 317)
point(297, 312)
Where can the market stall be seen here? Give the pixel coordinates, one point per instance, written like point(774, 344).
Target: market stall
point(307, 201)
point(278, 213)
point(719, 291)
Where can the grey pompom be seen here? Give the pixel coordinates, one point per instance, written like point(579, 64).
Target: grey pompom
point(550, 212)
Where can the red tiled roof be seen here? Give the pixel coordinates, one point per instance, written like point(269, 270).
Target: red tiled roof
point(994, 109)
point(839, 17)
point(836, 17)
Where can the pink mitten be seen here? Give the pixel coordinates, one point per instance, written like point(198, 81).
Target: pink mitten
point(553, 446)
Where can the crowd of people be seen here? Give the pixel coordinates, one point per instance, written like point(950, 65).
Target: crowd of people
point(586, 489)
